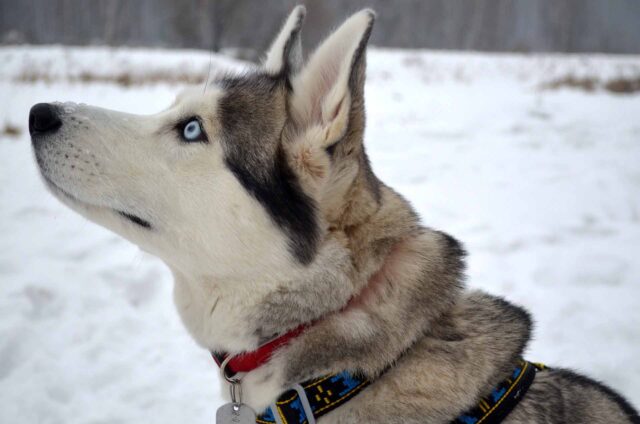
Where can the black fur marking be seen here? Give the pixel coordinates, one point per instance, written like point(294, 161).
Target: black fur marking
point(332, 149)
point(252, 114)
point(136, 220)
point(583, 381)
point(286, 203)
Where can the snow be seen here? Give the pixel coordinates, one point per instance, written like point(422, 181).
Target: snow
point(542, 186)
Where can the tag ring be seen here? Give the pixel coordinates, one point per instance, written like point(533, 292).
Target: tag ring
point(235, 391)
point(223, 371)
point(235, 388)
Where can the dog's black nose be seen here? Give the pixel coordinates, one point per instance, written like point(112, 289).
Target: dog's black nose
point(43, 118)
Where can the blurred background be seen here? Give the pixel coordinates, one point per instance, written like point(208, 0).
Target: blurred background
point(513, 125)
point(610, 26)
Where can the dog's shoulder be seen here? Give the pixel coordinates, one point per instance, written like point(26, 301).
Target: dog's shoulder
point(561, 395)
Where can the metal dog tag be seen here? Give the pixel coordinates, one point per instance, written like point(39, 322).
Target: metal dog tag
point(235, 413)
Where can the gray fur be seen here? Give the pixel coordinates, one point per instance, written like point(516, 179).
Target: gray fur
point(292, 52)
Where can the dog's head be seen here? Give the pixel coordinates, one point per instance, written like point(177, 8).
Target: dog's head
point(243, 178)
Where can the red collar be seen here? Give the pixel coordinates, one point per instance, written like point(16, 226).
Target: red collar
point(249, 361)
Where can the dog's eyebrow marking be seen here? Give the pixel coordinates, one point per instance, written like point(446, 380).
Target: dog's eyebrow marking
point(251, 129)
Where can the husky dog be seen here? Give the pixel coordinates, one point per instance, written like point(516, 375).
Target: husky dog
point(259, 196)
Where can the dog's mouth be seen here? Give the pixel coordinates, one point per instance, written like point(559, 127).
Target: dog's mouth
point(135, 219)
point(138, 221)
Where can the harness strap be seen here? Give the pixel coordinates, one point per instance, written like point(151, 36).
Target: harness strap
point(495, 407)
point(307, 402)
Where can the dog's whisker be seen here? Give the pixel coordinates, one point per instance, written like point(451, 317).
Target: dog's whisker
point(206, 82)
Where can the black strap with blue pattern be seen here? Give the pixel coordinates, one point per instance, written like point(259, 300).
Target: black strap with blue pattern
point(322, 395)
point(495, 407)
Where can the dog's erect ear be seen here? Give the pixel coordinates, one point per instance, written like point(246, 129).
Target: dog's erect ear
point(285, 54)
point(329, 91)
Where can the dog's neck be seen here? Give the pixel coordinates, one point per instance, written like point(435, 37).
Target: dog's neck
point(239, 315)
point(236, 315)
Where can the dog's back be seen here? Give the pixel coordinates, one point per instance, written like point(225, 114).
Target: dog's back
point(562, 396)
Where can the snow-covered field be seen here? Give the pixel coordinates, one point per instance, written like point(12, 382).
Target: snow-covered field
point(543, 187)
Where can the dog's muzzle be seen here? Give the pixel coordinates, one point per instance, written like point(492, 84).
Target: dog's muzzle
point(44, 118)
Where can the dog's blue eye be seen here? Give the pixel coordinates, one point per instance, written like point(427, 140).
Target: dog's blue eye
point(192, 131)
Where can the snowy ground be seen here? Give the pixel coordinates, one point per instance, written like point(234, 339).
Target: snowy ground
point(542, 186)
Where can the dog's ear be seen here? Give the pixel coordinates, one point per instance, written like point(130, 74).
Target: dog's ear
point(329, 91)
point(285, 54)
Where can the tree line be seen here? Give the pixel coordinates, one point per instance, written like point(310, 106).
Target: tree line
point(609, 26)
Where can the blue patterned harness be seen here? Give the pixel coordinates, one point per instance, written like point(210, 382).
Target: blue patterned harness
point(305, 403)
